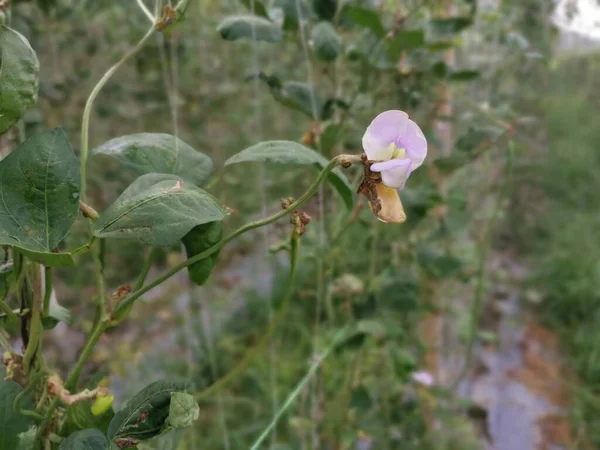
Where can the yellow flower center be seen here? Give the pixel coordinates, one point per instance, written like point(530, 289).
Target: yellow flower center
point(397, 152)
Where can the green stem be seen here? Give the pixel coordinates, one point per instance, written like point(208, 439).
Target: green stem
point(85, 125)
point(11, 316)
point(121, 310)
point(73, 377)
point(146, 268)
point(250, 355)
point(35, 328)
point(47, 289)
point(298, 390)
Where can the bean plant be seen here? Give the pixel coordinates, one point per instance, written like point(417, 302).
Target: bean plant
point(44, 191)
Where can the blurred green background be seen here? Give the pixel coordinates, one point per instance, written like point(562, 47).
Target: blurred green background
point(491, 286)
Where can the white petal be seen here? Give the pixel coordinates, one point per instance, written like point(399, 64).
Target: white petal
point(394, 173)
point(385, 129)
point(415, 143)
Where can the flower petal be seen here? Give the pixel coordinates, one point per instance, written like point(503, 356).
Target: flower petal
point(394, 172)
point(415, 143)
point(385, 129)
point(389, 208)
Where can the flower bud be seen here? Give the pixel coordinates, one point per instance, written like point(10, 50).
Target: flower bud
point(102, 404)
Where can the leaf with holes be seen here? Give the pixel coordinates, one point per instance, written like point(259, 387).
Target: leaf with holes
point(39, 196)
point(158, 209)
point(19, 77)
point(146, 414)
point(158, 153)
point(249, 27)
point(288, 152)
point(89, 439)
point(183, 410)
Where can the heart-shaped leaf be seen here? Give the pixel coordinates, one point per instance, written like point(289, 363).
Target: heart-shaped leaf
point(145, 415)
point(327, 44)
point(39, 196)
point(183, 410)
point(158, 153)
point(288, 152)
point(89, 439)
point(158, 209)
point(11, 422)
point(19, 77)
point(250, 27)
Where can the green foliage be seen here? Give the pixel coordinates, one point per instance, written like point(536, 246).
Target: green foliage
point(325, 9)
point(158, 153)
point(259, 7)
point(183, 410)
point(288, 152)
point(366, 18)
point(90, 439)
point(201, 238)
point(290, 10)
point(12, 423)
point(405, 40)
point(145, 415)
point(158, 209)
point(327, 44)
point(301, 97)
point(447, 27)
point(39, 188)
point(19, 77)
point(249, 27)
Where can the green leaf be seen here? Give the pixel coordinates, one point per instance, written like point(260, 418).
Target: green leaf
point(39, 196)
point(290, 12)
point(27, 439)
point(301, 97)
point(90, 439)
point(145, 415)
point(326, 42)
point(259, 7)
point(19, 77)
point(46, 5)
point(439, 264)
point(252, 27)
point(7, 278)
point(158, 153)
point(158, 209)
point(50, 259)
point(288, 152)
point(405, 40)
point(325, 9)
point(367, 18)
point(329, 138)
point(183, 410)
point(464, 75)
point(443, 28)
point(12, 424)
point(201, 238)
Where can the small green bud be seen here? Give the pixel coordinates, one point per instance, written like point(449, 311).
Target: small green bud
point(102, 404)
